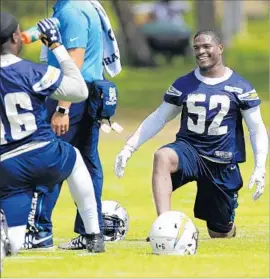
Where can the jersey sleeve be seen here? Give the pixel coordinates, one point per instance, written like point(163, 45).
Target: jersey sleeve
point(74, 28)
point(249, 97)
point(44, 79)
point(174, 95)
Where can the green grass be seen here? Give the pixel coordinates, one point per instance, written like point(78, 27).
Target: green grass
point(245, 256)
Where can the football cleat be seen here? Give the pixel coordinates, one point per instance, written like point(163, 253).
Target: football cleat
point(77, 243)
point(4, 241)
point(95, 243)
point(38, 240)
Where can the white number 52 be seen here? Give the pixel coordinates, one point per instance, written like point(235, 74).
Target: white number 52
point(215, 127)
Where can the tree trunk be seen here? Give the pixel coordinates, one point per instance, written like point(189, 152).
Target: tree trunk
point(136, 45)
point(205, 10)
point(233, 20)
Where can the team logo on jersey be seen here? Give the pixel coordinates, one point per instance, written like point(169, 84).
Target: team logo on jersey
point(233, 89)
point(50, 77)
point(224, 155)
point(249, 96)
point(173, 91)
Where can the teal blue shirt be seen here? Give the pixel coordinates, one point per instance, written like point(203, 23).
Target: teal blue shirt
point(81, 28)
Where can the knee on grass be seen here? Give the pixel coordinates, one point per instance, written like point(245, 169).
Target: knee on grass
point(227, 231)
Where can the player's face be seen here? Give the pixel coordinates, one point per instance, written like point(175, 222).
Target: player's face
point(207, 51)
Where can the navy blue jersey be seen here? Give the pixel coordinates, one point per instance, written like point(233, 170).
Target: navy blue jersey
point(211, 119)
point(24, 87)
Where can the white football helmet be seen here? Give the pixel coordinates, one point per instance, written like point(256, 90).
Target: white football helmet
point(173, 233)
point(115, 221)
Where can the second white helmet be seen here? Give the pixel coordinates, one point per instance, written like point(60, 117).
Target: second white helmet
point(173, 233)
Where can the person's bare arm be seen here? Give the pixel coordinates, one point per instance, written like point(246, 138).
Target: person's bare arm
point(59, 121)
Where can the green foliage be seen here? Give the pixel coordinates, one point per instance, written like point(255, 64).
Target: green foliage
point(143, 88)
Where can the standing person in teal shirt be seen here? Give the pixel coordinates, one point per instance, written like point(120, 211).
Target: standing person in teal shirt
point(81, 30)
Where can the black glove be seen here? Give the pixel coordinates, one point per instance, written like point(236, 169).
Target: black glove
point(50, 34)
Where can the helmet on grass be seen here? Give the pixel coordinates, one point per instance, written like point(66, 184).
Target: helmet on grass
point(115, 221)
point(173, 233)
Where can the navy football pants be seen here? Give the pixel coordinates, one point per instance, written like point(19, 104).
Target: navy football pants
point(217, 186)
point(49, 164)
point(85, 136)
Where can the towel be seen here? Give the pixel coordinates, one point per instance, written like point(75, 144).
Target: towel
point(111, 53)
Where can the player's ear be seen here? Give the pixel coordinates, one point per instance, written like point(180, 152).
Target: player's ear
point(16, 36)
point(221, 48)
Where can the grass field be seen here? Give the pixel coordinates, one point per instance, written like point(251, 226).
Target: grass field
point(245, 256)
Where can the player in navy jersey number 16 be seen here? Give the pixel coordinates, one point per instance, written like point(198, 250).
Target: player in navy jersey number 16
point(210, 143)
point(30, 153)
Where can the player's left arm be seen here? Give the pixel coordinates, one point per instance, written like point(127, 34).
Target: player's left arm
point(259, 142)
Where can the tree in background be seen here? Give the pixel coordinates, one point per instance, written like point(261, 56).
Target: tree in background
point(205, 14)
point(136, 45)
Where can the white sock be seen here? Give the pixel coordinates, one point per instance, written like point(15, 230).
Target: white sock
point(82, 190)
point(16, 237)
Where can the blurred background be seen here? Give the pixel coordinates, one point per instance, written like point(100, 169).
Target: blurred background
point(155, 39)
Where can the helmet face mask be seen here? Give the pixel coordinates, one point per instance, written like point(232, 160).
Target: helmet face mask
point(173, 233)
point(115, 221)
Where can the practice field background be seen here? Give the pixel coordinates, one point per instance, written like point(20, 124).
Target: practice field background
point(141, 91)
point(247, 255)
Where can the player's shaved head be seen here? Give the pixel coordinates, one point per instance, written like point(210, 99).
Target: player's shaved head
point(215, 36)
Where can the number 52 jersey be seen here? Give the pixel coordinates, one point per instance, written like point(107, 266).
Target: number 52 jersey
point(24, 87)
point(211, 119)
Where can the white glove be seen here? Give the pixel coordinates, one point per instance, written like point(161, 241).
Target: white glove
point(258, 178)
point(121, 160)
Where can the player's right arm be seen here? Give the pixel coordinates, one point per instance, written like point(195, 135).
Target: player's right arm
point(147, 129)
point(72, 86)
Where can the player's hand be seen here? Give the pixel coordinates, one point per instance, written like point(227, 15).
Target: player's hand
point(257, 178)
point(121, 160)
point(50, 34)
point(60, 123)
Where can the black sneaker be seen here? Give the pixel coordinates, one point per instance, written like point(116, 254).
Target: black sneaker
point(77, 243)
point(38, 240)
point(95, 243)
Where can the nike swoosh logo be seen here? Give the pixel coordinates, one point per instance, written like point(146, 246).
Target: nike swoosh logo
point(73, 39)
point(37, 241)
